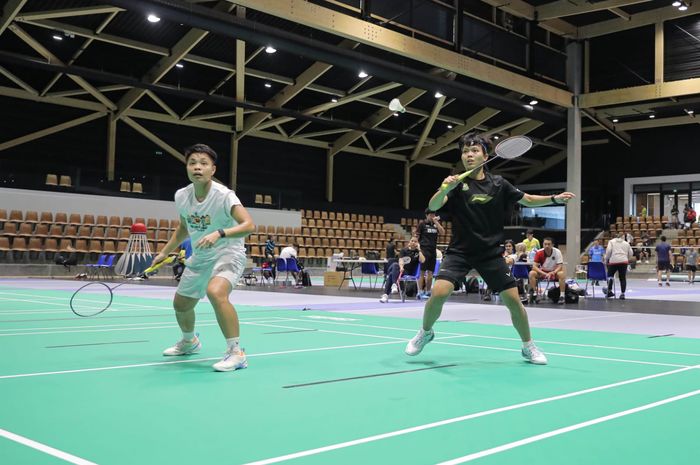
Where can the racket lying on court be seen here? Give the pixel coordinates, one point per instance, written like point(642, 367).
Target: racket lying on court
point(96, 297)
point(507, 149)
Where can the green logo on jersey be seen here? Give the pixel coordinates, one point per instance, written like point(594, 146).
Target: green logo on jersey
point(480, 198)
point(465, 187)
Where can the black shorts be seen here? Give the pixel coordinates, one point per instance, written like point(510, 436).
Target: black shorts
point(692, 268)
point(663, 266)
point(430, 257)
point(494, 271)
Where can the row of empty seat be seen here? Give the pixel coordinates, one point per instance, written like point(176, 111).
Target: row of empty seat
point(54, 180)
point(18, 216)
point(326, 215)
point(78, 232)
point(36, 244)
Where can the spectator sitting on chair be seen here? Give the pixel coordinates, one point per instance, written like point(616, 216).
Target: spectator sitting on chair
point(270, 247)
point(531, 242)
point(548, 264)
point(520, 252)
point(509, 252)
point(290, 253)
point(411, 256)
point(67, 261)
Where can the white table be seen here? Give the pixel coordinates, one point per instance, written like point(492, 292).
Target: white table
point(354, 264)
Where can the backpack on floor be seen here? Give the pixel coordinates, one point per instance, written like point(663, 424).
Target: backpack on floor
point(410, 288)
point(305, 279)
point(472, 285)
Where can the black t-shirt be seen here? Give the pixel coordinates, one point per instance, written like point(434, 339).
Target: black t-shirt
point(478, 210)
point(427, 235)
point(410, 268)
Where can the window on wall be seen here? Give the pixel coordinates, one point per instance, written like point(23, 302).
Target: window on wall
point(551, 217)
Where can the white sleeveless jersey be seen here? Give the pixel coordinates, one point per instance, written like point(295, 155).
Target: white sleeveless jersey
point(208, 216)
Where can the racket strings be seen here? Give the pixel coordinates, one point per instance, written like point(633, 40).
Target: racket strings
point(513, 147)
point(91, 299)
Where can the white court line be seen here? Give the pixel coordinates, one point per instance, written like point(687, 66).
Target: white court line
point(567, 429)
point(164, 326)
point(585, 357)
point(44, 448)
point(470, 416)
point(578, 319)
point(477, 336)
point(192, 360)
point(115, 325)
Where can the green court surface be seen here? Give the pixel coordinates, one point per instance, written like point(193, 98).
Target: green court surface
point(331, 388)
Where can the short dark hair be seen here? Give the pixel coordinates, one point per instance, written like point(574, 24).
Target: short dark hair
point(663, 238)
point(475, 138)
point(201, 148)
point(428, 211)
point(529, 231)
point(548, 239)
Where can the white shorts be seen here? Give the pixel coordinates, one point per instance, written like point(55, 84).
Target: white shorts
point(195, 279)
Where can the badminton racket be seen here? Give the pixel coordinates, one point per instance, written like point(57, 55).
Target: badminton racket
point(96, 297)
point(507, 149)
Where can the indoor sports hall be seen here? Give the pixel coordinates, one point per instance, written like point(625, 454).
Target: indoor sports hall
point(376, 231)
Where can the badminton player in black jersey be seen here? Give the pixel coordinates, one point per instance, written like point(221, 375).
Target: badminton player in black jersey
point(477, 207)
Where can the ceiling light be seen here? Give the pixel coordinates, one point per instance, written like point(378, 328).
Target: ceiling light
point(270, 49)
point(690, 112)
point(334, 100)
point(652, 116)
point(449, 126)
point(153, 18)
point(496, 137)
point(56, 37)
point(268, 85)
point(528, 107)
point(676, 3)
point(362, 74)
point(534, 102)
point(683, 7)
point(179, 65)
point(438, 94)
point(615, 120)
point(396, 114)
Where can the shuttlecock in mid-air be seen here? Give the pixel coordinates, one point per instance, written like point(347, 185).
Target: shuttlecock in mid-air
point(395, 105)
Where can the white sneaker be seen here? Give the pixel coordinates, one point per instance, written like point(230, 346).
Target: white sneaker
point(184, 347)
point(533, 355)
point(415, 345)
point(384, 299)
point(231, 361)
point(394, 289)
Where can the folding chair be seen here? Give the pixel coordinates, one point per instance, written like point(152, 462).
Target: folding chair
point(597, 272)
point(93, 269)
point(280, 266)
point(369, 269)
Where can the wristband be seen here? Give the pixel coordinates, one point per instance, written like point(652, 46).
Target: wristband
point(553, 200)
point(221, 233)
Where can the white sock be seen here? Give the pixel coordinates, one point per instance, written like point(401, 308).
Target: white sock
point(188, 336)
point(525, 344)
point(233, 344)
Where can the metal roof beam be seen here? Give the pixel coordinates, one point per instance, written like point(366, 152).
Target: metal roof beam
point(563, 8)
point(165, 64)
point(302, 81)
point(9, 12)
point(453, 134)
point(541, 167)
point(641, 93)
point(373, 121)
point(43, 51)
point(428, 127)
point(68, 13)
point(48, 131)
point(644, 18)
point(341, 24)
point(5, 72)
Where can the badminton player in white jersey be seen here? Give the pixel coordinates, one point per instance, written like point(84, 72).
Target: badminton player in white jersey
point(213, 217)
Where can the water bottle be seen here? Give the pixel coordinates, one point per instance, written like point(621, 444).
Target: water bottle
point(531, 256)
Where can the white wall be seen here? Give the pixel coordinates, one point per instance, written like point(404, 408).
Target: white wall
point(24, 199)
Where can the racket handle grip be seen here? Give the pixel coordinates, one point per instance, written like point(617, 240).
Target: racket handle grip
point(460, 178)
